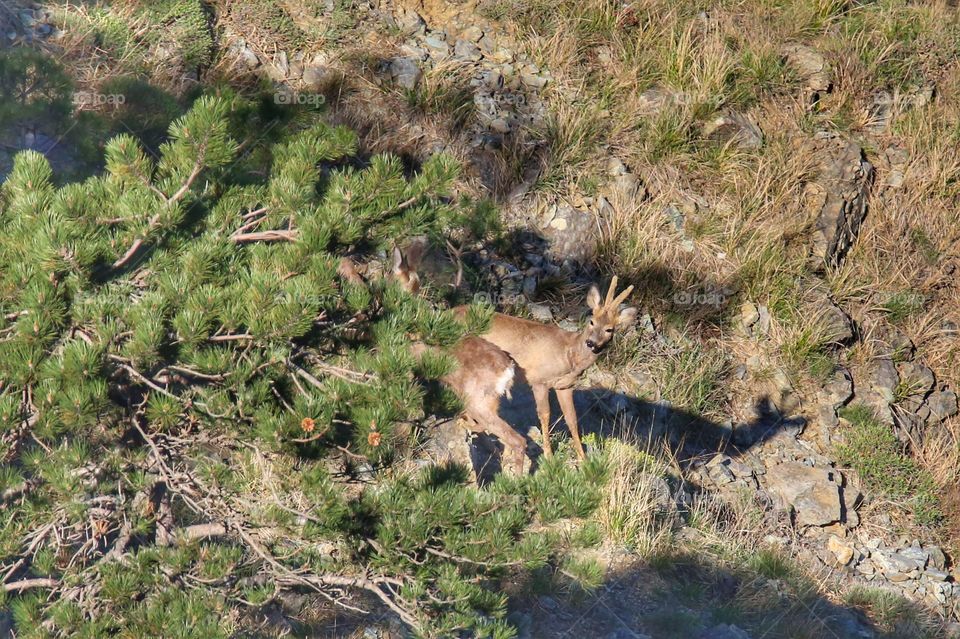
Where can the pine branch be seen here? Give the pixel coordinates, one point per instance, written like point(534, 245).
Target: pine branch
point(266, 236)
point(194, 173)
point(27, 584)
point(202, 531)
point(128, 255)
point(15, 492)
point(230, 337)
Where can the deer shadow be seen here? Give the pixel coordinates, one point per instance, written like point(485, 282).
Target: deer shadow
point(607, 413)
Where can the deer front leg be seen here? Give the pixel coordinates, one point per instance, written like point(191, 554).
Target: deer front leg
point(541, 397)
point(565, 398)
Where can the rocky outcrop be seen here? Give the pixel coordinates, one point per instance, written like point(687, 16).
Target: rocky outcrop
point(571, 234)
point(734, 127)
point(838, 197)
point(815, 496)
point(811, 66)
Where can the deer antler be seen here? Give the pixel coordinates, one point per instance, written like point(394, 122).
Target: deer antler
point(612, 298)
point(611, 291)
point(622, 296)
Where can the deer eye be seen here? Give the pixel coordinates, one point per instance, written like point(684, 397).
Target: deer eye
point(591, 322)
point(610, 330)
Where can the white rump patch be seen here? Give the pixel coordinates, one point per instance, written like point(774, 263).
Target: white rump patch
point(505, 381)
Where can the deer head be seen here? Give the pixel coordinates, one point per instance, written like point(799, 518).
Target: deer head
point(606, 317)
point(406, 263)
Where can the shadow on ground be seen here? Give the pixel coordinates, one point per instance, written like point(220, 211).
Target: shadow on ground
point(684, 597)
point(609, 413)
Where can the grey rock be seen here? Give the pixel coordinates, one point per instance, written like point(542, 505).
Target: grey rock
point(749, 315)
point(466, 50)
point(247, 56)
point(943, 404)
point(437, 44)
point(616, 167)
point(883, 378)
point(894, 343)
point(472, 34)
point(762, 327)
point(675, 216)
point(839, 199)
point(917, 377)
point(410, 22)
point(548, 603)
point(919, 97)
point(317, 78)
point(827, 417)
point(810, 65)
point(724, 631)
point(656, 99)
point(405, 72)
point(880, 112)
point(571, 235)
point(500, 125)
point(936, 574)
point(540, 312)
point(487, 44)
point(812, 493)
point(893, 563)
point(937, 558)
point(626, 188)
point(917, 555)
point(834, 323)
point(282, 64)
point(412, 50)
point(533, 80)
point(735, 127)
point(838, 390)
point(876, 402)
point(529, 285)
point(502, 56)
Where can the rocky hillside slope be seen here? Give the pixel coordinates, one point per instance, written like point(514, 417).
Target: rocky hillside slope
point(778, 180)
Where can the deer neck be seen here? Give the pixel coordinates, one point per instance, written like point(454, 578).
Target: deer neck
point(579, 356)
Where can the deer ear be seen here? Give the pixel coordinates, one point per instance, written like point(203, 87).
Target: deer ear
point(593, 297)
point(397, 258)
point(415, 252)
point(627, 317)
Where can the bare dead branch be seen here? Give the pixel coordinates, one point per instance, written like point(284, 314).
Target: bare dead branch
point(266, 236)
point(27, 584)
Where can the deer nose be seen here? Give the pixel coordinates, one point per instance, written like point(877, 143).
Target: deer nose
point(591, 344)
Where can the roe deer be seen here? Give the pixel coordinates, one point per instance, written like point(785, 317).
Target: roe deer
point(484, 372)
point(551, 357)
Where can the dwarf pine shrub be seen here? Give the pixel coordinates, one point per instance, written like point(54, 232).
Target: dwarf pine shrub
point(190, 396)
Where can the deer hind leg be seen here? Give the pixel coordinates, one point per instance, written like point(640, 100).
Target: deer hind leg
point(565, 398)
point(484, 415)
point(541, 397)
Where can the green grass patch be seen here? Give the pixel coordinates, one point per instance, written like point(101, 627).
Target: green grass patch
point(691, 379)
point(885, 467)
point(903, 305)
